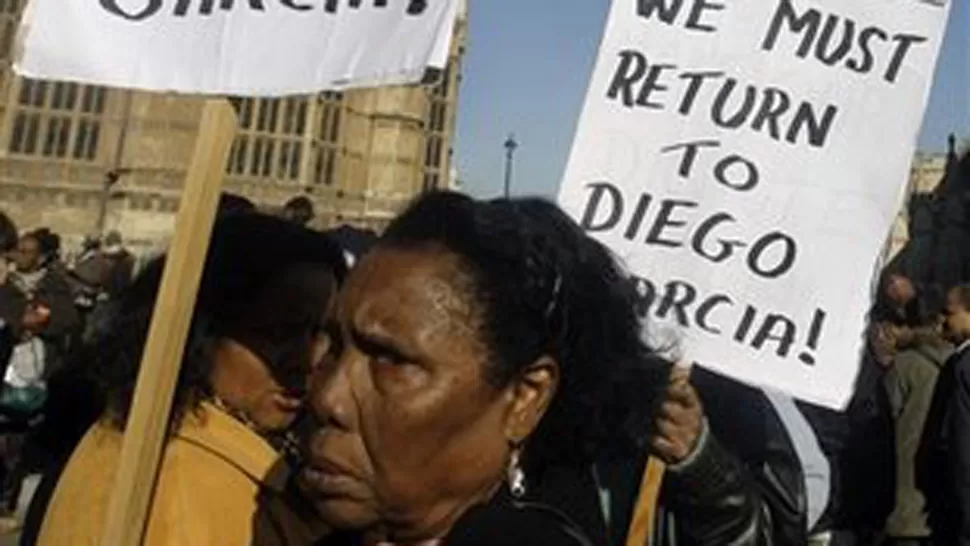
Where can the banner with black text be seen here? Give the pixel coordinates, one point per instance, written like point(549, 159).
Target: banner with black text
point(236, 47)
point(747, 160)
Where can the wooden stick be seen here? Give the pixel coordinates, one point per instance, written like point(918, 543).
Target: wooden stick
point(147, 424)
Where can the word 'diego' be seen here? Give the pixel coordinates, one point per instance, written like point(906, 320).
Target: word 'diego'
point(769, 256)
point(140, 10)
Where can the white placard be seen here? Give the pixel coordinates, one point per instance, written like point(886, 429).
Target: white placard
point(236, 47)
point(747, 159)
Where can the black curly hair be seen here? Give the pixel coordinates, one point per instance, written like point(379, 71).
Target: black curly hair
point(543, 287)
point(8, 234)
point(246, 253)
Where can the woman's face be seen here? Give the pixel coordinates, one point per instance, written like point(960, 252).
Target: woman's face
point(413, 434)
point(271, 392)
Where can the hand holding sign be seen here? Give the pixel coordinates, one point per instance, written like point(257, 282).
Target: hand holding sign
point(680, 421)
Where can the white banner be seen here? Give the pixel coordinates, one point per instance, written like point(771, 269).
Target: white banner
point(747, 159)
point(236, 47)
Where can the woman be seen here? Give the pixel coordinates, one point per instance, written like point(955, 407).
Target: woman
point(256, 329)
point(484, 357)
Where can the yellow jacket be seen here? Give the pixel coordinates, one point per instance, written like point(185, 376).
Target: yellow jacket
point(220, 484)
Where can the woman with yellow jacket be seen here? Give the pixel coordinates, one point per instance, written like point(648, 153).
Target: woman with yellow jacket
point(256, 331)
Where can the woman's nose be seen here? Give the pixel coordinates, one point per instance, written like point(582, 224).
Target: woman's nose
point(330, 395)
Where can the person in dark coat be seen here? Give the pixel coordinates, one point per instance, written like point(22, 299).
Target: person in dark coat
point(40, 287)
point(943, 459)
point(485, 358)
point(119, 266)
point(956, 395)
point(920, 353)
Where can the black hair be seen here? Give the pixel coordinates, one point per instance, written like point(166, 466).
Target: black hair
point(8, 234)
point(926, 308)
point(48, 244)
point(230, 203)
point(246, 253)
point(885, 308)
point(302, 209)
point(543, 287)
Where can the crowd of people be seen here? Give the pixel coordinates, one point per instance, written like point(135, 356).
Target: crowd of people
point(477, 375)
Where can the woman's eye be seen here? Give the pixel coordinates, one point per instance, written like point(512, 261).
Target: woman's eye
point(388, 359)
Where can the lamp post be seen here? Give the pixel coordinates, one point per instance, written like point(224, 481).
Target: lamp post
point(510, 146)
point(112, 177)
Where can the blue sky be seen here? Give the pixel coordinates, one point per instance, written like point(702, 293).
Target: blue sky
point(527, 69)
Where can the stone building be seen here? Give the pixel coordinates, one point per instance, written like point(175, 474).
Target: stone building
point(359, 155)
point(926, 173)
point(934, 242)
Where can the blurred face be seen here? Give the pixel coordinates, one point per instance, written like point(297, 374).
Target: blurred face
point(413, 434)
point(900, 290)
point(28, 255)
point(957, 327)
point(272, 393)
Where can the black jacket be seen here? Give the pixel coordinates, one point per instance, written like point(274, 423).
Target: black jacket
point(745, 487)
point(943, 460)
point(748, 488)
point(714, 502)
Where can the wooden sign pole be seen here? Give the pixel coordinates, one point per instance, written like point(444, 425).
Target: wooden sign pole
point(147, 425)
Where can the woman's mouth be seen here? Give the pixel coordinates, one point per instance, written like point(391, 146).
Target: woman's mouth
point(327, 479)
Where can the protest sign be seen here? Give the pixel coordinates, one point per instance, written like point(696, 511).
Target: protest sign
point(236, 47)
point(746, 160)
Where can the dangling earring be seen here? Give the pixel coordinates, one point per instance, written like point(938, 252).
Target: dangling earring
point(515, 475)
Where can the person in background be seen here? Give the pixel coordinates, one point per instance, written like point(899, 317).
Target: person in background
point(918, 354)
point(10, 309)
point(230, 203)
point(299, 210)
point(49, 318)
point(119, 265)
point(85, 266)
point(900, 291)
point(85, 275)
point(38, 300)
point(255, 332)
point(944, 458)
point(9, 236)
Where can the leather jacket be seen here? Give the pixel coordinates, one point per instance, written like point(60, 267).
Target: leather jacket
point(719, 500)
point(744, 485)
